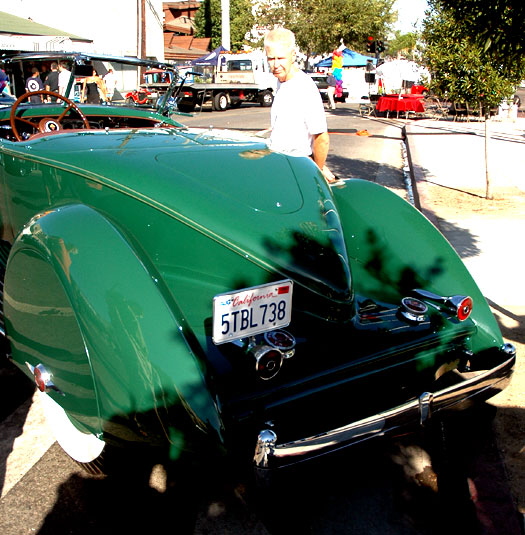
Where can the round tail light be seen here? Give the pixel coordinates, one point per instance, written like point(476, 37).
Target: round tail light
point(42, 378)
point(413, 309)
point(281, 340)
point(463, 308)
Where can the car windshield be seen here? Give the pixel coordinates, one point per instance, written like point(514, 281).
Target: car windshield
point(54, 93)
point(118, 77)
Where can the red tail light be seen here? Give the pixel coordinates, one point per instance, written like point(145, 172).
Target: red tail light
point(464, 308)
point(39, 380)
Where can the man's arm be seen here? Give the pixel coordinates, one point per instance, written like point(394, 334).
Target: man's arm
point(320, 148)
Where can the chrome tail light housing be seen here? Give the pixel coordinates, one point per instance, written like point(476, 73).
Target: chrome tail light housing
point(269, 351)
point(268, 361)
point(460, 305)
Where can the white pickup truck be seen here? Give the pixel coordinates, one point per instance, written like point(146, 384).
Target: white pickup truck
point(237, 78)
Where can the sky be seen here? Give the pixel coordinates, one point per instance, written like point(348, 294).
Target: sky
point(410, 12)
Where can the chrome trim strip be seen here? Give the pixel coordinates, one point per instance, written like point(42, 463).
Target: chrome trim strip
point(270, 454)
point(425, 406)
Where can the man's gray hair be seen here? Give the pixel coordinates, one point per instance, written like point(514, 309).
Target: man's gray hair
point(281, 36)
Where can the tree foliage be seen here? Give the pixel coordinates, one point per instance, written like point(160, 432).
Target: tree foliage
point(462, 68)
point(208, 22)
point(403, 44)
point(496, 26)
point(320, 26)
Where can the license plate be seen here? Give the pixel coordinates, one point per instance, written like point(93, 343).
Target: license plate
point(252, 311)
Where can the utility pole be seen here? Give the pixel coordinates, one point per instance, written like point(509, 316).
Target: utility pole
point(141, 35)
point(225, 23)
point(142, 28)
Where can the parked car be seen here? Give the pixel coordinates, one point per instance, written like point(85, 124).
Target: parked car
point(156, 83)
point(320, 80)
point(140, 96)
point(418, 89)
point(166, 287)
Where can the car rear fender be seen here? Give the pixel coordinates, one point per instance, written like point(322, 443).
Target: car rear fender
point(80, 300)
point(393, 248)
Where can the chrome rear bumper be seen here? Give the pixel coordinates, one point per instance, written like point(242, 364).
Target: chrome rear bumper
point(269, 454)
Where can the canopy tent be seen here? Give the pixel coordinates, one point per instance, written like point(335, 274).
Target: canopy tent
point(350, 59)
point(210, 58)
point(395, 73)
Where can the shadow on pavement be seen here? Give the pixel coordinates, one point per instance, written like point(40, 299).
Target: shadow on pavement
point(421, 484)
point(16, 391)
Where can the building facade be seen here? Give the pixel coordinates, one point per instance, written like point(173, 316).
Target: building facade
point(180, 43)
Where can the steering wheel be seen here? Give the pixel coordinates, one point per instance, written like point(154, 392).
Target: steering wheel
point(45, 124)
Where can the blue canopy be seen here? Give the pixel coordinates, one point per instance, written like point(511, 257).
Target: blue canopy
point(350, 59)
point(210, 58)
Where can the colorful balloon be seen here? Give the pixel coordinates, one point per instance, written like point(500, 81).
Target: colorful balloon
point(337, 71)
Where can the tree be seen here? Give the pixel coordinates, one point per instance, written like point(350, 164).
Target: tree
point(496, 26)
point(461, 69)
point(320, 26)
point(464, 69)
point(403, 44)
point(208, 22)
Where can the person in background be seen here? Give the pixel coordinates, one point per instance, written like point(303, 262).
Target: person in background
point(4, 82)
point(43, 73)
point(93, 89)
point(330, 91)
point(63, 79)
point(34, 83)
point(111, 82)
point(298, 122)
point(51, 83)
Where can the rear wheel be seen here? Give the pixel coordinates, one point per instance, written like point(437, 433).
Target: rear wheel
point(84, 448)
point(266, 99)
point(220, 102)
point(91, 453)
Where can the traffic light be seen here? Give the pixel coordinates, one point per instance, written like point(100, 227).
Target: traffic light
point(381, 46)
point(371, 45)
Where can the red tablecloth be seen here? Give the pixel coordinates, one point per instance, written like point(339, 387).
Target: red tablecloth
point(392, 103)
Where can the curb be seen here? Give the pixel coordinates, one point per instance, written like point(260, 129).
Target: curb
point(417, 177)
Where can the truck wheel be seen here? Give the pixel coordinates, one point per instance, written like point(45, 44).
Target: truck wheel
point(220, 102)
point(185, 107)
point(266, 99)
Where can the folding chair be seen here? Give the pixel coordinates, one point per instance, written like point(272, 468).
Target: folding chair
point(367, 107)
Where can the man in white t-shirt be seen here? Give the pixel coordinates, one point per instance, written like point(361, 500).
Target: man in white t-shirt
point(63, 79)
point(298, 122)
point(111, 83)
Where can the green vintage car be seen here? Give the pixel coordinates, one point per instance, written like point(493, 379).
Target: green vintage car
point(168, 287)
